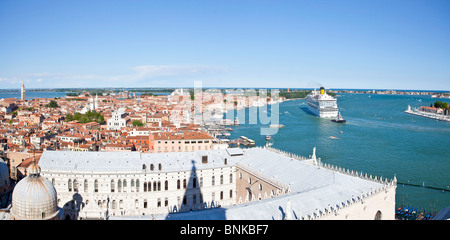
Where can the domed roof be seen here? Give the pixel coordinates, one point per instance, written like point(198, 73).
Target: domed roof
point(34, 197)
point(4, 173)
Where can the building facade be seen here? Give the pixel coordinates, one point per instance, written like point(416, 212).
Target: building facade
point(157, 185)
point(117, 120)
point(180, 142)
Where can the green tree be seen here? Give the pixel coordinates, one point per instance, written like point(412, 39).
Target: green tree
point(52, 104)
point(137, 123)
point(69, 117)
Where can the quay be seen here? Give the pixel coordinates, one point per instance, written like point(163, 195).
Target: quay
point(243, 141)
point(412, 213)
point(431, 115)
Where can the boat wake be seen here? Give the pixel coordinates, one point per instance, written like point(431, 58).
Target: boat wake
point(383, 123)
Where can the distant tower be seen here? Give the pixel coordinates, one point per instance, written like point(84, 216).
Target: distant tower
point(22, 92)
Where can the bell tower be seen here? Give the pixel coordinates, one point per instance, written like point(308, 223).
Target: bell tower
point(22, 92)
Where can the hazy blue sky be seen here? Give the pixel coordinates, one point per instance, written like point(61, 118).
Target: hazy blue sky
point(299, 44)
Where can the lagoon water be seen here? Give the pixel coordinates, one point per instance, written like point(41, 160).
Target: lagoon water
point(378, 139)
point(31, 95)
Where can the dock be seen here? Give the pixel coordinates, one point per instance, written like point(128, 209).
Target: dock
point(243, 141)
point(436, 116)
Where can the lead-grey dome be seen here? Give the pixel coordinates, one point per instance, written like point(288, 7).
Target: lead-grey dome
point(34, 197)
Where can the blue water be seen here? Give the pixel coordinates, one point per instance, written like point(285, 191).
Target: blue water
point(378, 139)
point(32, 95)
point(51, 94)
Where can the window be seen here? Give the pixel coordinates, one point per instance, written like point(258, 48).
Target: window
point(159, 167)
point(145, 203)
point(166, 185)
point(178, 184)
point(184, 184)
point(231, 193)
point(152, 167)
point(69, 184)
point(124, 185)
point(158, 204)
point(201, 181)
point(96, 185)
point(112, 186)
point(213, 180)
point(221, 195)
point(119, 186)
point(145, 187)
point(85, 185)
point(231, 178)
point(132, 185)
point(166, 202)
point(221, 179)
point(137, 185)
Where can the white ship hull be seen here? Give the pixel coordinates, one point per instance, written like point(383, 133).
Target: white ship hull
point(323, 114)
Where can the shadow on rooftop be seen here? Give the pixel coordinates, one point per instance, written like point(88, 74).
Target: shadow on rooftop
point(192, 206)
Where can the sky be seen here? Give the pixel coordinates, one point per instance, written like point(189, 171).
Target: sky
point(382, 44)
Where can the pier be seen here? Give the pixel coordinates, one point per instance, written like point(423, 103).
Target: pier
point(242, 141)
point(409, 212)
point(440, 117)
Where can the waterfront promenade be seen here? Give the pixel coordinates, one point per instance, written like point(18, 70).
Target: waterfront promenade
point(436, 116)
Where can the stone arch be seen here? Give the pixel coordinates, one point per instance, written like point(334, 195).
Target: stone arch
point(378, 215)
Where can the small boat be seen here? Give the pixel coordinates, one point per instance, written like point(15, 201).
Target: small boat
point(339, 119)
point(276, 126)
point(333, 137)
point(267, 137)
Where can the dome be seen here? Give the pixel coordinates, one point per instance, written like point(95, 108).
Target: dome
point(4, 174)
point(34, 197)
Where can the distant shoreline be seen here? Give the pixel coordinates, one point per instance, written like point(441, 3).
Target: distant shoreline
point(135, 89)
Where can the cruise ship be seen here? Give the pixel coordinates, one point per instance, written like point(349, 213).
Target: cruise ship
point(321, 104)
